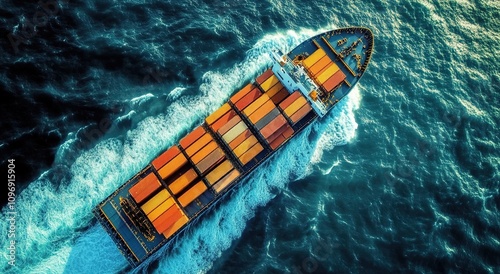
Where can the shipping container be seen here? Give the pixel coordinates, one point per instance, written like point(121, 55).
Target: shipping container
point(175, 164)
point(218, 113)
point(226, 180)
point(183, 181)
point(275, 89)
point(278, 132)
point(296, 105)
point(267, 119)
point(234, 132)
point(269, 83)
point(240, 138)
point(251, 153)
point(167, 219)
point(211, 160)
point(248, 99)
point(176, 226)
point(303, 111)
point(145, 187)
point(322, 77)
point(275, 124)
point(155, 201)
point(240, 94)
point(196, 158)
point(290, 99)
point(225, 128)
point(165, 157)
point(219, 172)
point(255, 104)
point(313, 58)
point(263, 77)
point(192, 137)
point(198, 144)
point(245, 145)
point(155, 213)
point(334, 81)
point(288, 132)
point(262, 111)
point(192, 193)
point(322, 63)
point(280, 96)
point(277, 142)
point(223, 120)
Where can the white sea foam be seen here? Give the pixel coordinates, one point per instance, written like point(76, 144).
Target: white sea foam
point(51, 217)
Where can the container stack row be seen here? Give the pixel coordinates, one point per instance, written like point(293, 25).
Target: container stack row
point(271, 85)
point(295, 107)
point(323, 70)
point(158, 205)
point(263, 114)
point(234, 132)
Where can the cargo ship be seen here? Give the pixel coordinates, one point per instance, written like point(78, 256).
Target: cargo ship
point(182, 183)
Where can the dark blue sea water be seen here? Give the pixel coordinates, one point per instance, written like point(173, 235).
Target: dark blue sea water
point(403, 176)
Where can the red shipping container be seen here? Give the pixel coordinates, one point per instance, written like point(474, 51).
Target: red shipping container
point(145, 187)
point(277, 142)
point(263, 77)
point(288, 101)
point(165, 157)
point(248, 99)
point(223, 120)
point(191, 137)
point(277, 133)
point(244, 91)
point(273, 126)
point(334, 81)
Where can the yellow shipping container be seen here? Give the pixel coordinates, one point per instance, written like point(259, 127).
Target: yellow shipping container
point(219, 172)
point(234, 132)
point(184, 180)
point(313, 58)
point(245, 145)
point(160, 209)
point(256, 104)
point(192, 194)
point(154, 202)
point(296, 105)
point(327, 73)
point(172, 166)
point(224, 182)
point(269, 83)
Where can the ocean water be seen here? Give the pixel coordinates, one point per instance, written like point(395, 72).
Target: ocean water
point(402, 176)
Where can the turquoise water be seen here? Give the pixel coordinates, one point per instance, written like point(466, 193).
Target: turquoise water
point(403, 176)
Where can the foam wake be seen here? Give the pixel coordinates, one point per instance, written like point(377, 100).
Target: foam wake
point(55, 226)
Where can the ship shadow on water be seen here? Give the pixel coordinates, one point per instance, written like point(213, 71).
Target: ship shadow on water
point(95, 252)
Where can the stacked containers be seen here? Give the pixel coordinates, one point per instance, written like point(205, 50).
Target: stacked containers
point(325, 72)
point(295, 107)
point(270, 84)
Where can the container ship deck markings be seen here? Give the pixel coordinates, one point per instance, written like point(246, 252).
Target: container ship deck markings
point(182, 183)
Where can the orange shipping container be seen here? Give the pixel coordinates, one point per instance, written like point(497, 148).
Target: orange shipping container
point(145, 187)
point(291, 109)
point(152, 203)
point(256, 104)
point(183, 181)
point(225, 128)
point(192, 137)
point(218, 113)
point(176, 226)
point(322, 63)
point(199, 144)
point(288, 101)
point(172, 166)
point(245, 145)
point(334, 81)
point(219, 172)
point(153, 215)
point(244, 91)
point(240, 138)
point(167, 219)
point(192, 193)
point(212, 159)
point(269, 83)
point(300, 113)
point(248, 99)
point(263, 77)
point(226, 180)
point(288, 132)
point(223, 120)
point(275, 124)
point(204, 152)
point(313, 58)
point(322, 77)
point(275, 89)
point(280, 96)
point(262, 111)
point(165, 157)
point(250, 154)
point(278, 132)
